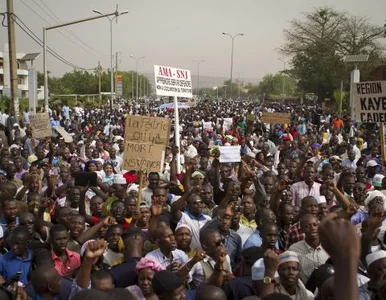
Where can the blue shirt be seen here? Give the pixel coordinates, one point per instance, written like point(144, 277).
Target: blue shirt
point(4, 223)
point(11, 264)
point(255, 240)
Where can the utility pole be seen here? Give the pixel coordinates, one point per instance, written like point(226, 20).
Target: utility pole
point(140, 85)
point(132, 86)
point(116, 73)
point(12, 60)
point(99, 70)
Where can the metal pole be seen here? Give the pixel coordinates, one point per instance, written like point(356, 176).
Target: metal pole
point(45, 69)
point(12, 61)
point(140, 86)
point(341, 97)
point(137, 80)
point(177, 133)
point(132, 85)
point(111, 65)
point(233, 43)
point(100, 82)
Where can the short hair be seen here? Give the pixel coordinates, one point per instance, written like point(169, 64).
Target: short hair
point(130, 232)
point(154, 174)
point(260, 214)
point(117, 202)
point(205, 233)
point(112, 227)
point(21, 230)
point(100, 275)
point(57, 228)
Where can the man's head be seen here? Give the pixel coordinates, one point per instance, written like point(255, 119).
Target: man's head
point(361, 174)
point(289, 269)
point(264, 215)
point(113, 235)
point(160, 194)
point(195, 205)
point(96, 205)
point(46, 280)
point(168, 286)
point(349, 184)
point(309, 174)
point(225, 216)
point(59, 238)
point(269, 235)
point(309, 205)
point(101, 280)
point(118, 210)
point(206, 194)
point(286, 213)
point(309, 226)
point(19, 241)
point(63, 216)
point(376, 265)
point(165, 239)
point(210, 292)
point(10, 210)
point(77, 225)
point(153, 180)
point(210, 240)
point(183, 236)
point(28, 220)
point(74, 196)
point(131, 206)
point(360, 193)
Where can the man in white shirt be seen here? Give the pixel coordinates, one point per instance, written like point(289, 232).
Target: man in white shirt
point(308, 187)
point(351, 161)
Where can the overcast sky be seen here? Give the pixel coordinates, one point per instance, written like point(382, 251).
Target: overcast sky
point(174, 32)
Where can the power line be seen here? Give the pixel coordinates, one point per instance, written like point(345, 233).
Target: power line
point(60, 32)
point(54, 17)
point(34, 37)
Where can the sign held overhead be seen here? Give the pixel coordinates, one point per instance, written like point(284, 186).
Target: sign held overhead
point(172, 82)
point(40, 125)
point(370, 101)
point(275, 118)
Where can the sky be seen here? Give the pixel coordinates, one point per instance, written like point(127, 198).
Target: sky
point(173, 32)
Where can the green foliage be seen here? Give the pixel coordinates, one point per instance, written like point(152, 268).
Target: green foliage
point(317, 44)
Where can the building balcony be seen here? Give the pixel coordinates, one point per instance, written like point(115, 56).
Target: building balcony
point(22, 72)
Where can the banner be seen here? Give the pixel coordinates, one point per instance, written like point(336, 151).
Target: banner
point(370, 101)
point(40, 125)
point(145, 141)
point(275, 118)
point(207, 125)
point(66, 136)
point(230, 154)
point(172, 82)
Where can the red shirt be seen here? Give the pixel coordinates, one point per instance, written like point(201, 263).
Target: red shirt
point(72, 263)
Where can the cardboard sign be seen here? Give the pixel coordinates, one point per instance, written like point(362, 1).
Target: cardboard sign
point(370, 101)
point(227, 124)
point(207, 125)
point(40, 125)
point(230, 154)
point(66, 136)
point(172, 82)
point(145, 142)
point(275, 118)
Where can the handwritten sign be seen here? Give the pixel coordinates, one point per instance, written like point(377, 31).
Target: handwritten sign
point(40, 125)
point(275, 118)
point(207, 125)
point(370, 101)
point(145, 142)
point(66, 136)
point(172, 82)
point(230, 154)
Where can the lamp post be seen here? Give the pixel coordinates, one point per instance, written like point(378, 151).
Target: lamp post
point(136, 70)
point(233, 42)
point(111, 19)
point(283, 79)
point(198, 74)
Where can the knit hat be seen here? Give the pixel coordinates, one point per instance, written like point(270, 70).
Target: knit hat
point(165, 282)
point(287, 257)
point(373, 194)
point(373, 257)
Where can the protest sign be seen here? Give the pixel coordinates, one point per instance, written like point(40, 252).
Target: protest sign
point(145, 142)
point(227, 124)
point(275, 118)
point(230, 154)
point(370, 101)
point(172, 82)
point(40, 125)
point(66, 136)
point(207, 125)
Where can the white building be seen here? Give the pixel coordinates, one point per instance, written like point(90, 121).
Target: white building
point(22, 73)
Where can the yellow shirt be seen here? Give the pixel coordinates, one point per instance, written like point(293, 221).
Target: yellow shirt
point(250, 224)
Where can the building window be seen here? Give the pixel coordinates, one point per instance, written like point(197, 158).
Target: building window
point(1, 79)
point(1, 62)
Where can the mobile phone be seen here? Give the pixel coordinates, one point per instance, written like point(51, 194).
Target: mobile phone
point(17, 276)
point(82, 178)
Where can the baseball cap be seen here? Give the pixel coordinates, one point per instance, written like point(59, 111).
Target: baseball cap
point(372, 163)
point(377, 180)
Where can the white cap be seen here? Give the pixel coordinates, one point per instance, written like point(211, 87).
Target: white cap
point(288, 256)
point(377, 180)
point(371, 195)
point(258, 270)
point(372, 163)
point(1, 232)
point(119, 179)
point(373, 257)
point(251, 154)
point(321, 199)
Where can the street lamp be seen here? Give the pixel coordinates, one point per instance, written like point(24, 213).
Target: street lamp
point(111, 19)
point(136, 70)
point(233, 41)
point(198, 74)
point(283, 78)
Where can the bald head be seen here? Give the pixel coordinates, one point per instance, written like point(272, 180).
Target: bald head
point(43, 277)
point(210, 292)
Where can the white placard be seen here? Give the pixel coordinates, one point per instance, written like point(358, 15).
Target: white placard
point(370, 101)
point(172, 82)
point(227, 124)
point(230, 154)
point(207, 125)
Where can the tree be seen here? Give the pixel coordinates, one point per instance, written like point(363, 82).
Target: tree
point(318, 43)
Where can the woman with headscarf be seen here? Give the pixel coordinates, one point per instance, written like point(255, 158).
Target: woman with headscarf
point(146, 269)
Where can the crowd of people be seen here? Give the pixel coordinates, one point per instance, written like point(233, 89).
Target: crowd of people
point(300, 216)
